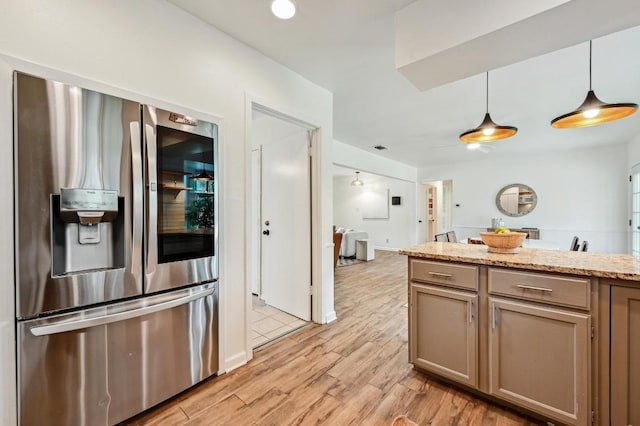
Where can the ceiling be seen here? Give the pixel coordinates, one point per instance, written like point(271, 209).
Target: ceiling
point(348, 48)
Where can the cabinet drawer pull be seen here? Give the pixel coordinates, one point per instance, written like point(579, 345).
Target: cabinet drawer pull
point(530, 287)
point(440, 275)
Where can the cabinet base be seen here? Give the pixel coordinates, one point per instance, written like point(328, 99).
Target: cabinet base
point(487, 398)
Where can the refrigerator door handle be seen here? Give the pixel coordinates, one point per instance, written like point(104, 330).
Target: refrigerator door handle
point(152, 190)
point(65, 326)
point(136, 168)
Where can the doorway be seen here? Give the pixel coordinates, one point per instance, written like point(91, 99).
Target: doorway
point(436, 209)
point(280, 226)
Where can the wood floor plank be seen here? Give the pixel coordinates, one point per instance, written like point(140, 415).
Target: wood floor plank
point(300, 400)
point(319, 412)
point(222, 413)
point(244, 413)
point(220, 388)
point(427, 404)
point(358, 403)
point(355, 364)
point(352, 371)
point(170, 414)
point(309, 372)
point(391, 370)
point(260, 385)
point(396, 402)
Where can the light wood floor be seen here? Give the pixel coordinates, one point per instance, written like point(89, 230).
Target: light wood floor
point(352, 371)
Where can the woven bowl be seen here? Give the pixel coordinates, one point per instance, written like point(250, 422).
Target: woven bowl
point(503, 243)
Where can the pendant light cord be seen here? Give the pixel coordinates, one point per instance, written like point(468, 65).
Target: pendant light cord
point(590, 49)
point(487, 92)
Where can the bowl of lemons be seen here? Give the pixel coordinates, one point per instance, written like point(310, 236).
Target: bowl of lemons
point(503, 240)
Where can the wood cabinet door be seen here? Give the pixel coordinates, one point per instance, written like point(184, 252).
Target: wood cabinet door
point(625, 356)
point(444, 332)
point(539, 359)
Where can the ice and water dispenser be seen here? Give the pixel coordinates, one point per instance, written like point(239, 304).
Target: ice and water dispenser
point(87, 227)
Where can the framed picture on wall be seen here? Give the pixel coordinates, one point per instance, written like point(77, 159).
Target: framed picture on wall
point(375, 204)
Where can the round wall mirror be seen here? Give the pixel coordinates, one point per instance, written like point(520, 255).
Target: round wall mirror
point(516, 200)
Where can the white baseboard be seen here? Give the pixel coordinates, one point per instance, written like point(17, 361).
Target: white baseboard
point(330, 317)
point(234, 362)
point(387, 249)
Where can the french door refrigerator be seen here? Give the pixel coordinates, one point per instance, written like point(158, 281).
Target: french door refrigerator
point(116, 254)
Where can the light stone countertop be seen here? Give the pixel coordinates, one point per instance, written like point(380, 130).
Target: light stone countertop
point(618, 266)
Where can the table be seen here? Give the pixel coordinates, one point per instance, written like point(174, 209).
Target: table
point(364, 250)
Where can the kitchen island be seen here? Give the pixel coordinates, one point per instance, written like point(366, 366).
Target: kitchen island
point(554, 333)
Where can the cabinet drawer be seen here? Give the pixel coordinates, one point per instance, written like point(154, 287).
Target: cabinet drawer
point(552, 289)
point(453, 275)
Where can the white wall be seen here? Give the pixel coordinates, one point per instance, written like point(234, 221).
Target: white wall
point(580, 192)
point(154, 52)
point(633, 152)
point(402, 227)
point(350, 156)
point(399, 231)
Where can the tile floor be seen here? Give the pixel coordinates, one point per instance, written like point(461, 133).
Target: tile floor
point(270, 323)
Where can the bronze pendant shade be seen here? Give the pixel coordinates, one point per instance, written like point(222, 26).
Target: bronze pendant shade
point(488, 131)
point(593, 111)
point(203, 175)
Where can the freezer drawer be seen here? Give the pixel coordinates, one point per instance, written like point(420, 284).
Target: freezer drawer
point(103, 365)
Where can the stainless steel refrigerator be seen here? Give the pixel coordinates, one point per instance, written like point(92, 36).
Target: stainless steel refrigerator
point(116, 253)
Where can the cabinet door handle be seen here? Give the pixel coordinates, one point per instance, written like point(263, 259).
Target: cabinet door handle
point(440, 274)
point(530, 287)
point(493, 316)
point(471, 312)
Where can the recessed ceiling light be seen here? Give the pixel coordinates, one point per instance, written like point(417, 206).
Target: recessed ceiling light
point(283, 9)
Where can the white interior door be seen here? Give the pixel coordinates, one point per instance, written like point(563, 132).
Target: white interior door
point(286, 224)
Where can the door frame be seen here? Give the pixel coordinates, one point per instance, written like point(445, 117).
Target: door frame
point(634, 170)
point(316, 231)
point(443, 204)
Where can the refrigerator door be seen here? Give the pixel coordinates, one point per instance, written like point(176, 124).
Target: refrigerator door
point(181, 177)
point(78, 212)
point(103, 365)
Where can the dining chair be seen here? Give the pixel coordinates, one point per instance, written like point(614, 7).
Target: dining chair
point(471, 240)
point(575, 244)
point(443, 238)
point(585, 246)
point(451, 235)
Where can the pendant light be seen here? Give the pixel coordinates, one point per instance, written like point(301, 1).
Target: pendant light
point(488, 131)
point(203, 175)
point(593, 111)
point(357, 181)
point(283, 9)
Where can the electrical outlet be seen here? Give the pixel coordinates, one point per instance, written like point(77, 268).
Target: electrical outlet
point(387, 240)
